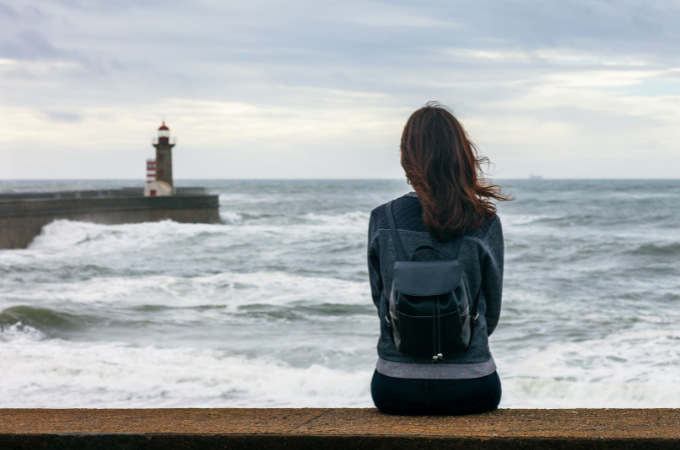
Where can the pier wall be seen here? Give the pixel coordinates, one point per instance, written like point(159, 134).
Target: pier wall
point(21, 218)
point(342, 429)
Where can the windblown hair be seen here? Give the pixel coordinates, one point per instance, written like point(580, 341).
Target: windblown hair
point(442, 165)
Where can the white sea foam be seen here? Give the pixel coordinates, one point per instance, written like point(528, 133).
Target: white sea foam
point(20, 333)
point(229, 199)
point(545, 392)
point(229, 289)
point(66, 234)
point(57, 374)
point(347, 220)
point(633, 368)
point(513, 220)
point(231, 218)
point(83, 237)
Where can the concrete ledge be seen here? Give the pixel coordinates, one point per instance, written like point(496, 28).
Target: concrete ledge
point(336, 428)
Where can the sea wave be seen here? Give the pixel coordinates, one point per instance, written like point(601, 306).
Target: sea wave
point(231, 218)
point(44, 320)
point(17, 332)
point(569, 392)
point(230, 289)
point(58, 374)
point(79, 237)
point(345, 220)
point(272, 306)
point(73, 235)
point(671, 249)
point(515, 220)
point(630, 368)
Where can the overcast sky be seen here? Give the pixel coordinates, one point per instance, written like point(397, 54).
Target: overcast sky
point(320, 89)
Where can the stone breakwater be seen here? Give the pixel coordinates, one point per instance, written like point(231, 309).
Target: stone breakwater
point(22, 216)
point(315, 428)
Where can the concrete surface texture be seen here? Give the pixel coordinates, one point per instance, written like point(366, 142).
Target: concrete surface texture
point(338, 428)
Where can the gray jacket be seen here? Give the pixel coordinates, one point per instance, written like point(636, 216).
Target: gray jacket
point(481, 260)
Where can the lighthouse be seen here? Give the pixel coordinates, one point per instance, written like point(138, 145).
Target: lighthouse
point(163, 184)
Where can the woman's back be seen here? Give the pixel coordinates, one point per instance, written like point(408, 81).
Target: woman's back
point(452, 215)
point(481, 262)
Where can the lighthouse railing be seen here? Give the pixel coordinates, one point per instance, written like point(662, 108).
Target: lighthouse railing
point(171, 141)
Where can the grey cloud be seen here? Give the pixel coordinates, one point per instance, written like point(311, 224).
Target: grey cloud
point(63, 116)
point(7, 11)
point(293, 53)
point(28, 44)
point(626, 26)
point(117, 5)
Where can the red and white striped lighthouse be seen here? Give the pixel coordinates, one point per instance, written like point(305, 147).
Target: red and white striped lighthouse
point(159, 170)
point(150, 170)
point(164, 155)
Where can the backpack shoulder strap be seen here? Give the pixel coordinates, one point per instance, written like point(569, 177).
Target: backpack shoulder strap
point(475, 302)
point(401, 256)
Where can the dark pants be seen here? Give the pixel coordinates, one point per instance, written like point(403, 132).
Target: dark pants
point(430, 397)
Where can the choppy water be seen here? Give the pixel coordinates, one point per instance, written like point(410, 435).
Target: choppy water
point(272, 308)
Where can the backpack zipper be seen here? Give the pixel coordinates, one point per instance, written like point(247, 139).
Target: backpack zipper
point(437, 332)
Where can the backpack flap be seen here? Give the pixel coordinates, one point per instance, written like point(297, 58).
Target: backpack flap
point(424, 278)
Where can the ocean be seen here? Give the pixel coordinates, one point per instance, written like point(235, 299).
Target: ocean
point(272, 307)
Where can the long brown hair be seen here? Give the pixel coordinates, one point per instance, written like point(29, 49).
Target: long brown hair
point(442, 165)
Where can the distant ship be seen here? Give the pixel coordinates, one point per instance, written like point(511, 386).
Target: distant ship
point(535, 177)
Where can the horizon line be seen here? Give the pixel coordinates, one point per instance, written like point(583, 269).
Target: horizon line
point(142, 180)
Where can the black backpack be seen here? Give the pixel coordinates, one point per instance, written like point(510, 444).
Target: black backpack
point(429, 309)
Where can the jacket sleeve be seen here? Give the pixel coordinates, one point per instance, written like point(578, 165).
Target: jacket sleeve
point(374, 276)
point(492, 274)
